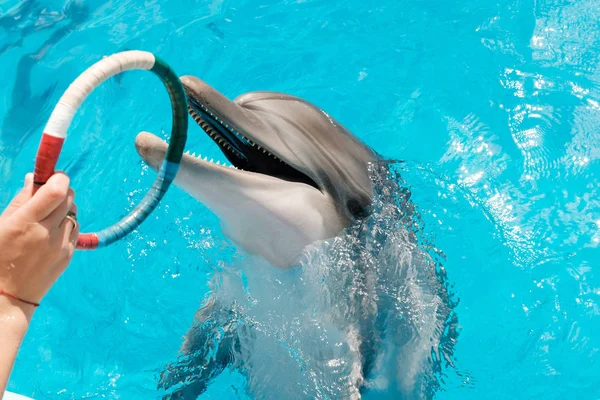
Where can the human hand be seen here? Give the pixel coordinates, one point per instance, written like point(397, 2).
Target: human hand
point(37, 240)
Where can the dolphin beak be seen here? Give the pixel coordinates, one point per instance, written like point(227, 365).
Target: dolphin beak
point(151, 148)
point(203, 97)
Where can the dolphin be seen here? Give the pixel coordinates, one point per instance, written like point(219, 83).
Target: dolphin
point(297, 176)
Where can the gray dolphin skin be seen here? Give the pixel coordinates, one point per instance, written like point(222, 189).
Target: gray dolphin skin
point(298, 175)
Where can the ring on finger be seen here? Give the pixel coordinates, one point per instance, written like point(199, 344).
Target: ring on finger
point(71, 216)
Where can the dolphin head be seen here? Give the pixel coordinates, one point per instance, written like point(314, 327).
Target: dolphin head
point(299, 176)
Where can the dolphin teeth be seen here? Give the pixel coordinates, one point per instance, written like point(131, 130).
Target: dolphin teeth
point(218, 163)
point(211, 160)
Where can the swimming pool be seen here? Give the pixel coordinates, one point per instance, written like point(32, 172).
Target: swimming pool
point(494, 107)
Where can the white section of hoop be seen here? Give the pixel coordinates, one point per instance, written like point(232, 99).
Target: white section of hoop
point(91, 78)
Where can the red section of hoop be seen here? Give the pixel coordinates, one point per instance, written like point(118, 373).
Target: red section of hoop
point(87, 241)
point(46, 159)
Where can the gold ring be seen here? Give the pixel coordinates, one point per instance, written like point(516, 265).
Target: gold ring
point(71, 216)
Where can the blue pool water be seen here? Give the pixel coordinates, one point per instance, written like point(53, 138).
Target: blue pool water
point(494, 107)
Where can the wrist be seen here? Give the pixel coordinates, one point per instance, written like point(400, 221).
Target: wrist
point(15, 314)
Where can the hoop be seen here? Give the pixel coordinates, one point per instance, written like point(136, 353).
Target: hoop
point(60, 120)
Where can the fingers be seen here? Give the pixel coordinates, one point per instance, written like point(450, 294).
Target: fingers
point(58, 215)
point(22, 197)
point(47, 199)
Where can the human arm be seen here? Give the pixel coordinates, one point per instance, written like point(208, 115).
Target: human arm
point(37, 242)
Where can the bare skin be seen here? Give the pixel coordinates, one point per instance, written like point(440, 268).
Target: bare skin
point(36, 245)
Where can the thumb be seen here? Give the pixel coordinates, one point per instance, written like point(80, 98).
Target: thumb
point(22, 197)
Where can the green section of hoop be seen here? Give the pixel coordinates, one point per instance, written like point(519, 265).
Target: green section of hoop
point(170, 166)
point(180, 116)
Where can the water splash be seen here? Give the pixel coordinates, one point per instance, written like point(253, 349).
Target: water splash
point(366, 312)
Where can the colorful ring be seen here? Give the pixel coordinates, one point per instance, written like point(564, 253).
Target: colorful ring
point(60, 120)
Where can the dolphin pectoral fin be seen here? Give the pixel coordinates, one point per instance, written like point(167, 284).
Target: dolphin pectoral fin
point(208, 349)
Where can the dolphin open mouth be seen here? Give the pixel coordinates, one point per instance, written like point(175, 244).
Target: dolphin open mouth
point(241, 151)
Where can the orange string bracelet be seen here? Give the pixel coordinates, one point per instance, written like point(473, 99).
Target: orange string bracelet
point(12, 296)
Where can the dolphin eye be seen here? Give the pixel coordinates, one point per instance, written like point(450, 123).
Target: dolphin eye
point(358, 210)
